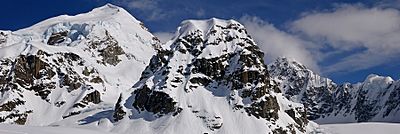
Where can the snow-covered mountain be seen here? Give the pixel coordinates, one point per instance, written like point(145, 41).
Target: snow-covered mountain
point(103, 70)
point(68, 65)
point(375, 99)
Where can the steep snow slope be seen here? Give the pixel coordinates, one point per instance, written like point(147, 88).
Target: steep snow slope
point(71, 64)
point(375, 99)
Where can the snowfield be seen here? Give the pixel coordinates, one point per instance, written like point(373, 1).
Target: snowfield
point(351, 128)
point(19, 129)
point(361, 128)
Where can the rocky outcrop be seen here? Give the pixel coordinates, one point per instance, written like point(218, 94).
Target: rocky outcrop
point(30, 68)
point(108, 49)
point(3, 38)
point(56, 38)
point(152, 101)
point(267, 109)
point(93, 97)
point(119, 112)
point(16, 116)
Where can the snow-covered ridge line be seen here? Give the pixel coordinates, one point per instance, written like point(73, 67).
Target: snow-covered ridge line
point(374, 99)
point(104, 70)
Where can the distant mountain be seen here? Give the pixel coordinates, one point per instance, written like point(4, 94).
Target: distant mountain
point(104, 70)
point(375, 99)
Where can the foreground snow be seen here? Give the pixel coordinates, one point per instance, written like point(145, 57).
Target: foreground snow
point(19, 129)
point(361, 128)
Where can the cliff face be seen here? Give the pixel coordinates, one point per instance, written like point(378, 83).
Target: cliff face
point(213, 75)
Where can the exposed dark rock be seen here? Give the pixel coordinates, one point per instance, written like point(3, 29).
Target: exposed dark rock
point(56, 38)
point(72, 81)
point(393, 101)
point(153, 101)
point(71, 114)
point(364, 110)
point(19, 116)
point(43, 89)
point(214, 67)
point(96, 79)
point(23, 72)
point(5, 68)
point(212, 122)
point(110, 54)
point(71, 57)
point(302, 120)
point(93, 97)
point(119, 113)
point(30, 68)
point(3, 37)
point(200, 81)
point(10, 105)
point(111, 50)
point(279, 130)
point(59, 103)
point(86, 71)
point(267, 109)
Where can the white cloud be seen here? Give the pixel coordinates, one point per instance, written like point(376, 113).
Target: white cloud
point(276, 43)
point(372, 34)
point(164, 36)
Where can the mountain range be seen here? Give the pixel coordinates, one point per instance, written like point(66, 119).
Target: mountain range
point(104, 70)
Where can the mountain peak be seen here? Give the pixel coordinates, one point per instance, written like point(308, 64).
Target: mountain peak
point(288, 63)
point(71, 63)
point(108, 7)
point(206, 25)
point(108, 10)
point(106, 13)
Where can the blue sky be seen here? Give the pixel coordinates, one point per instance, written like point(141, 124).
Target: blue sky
point(342, 39)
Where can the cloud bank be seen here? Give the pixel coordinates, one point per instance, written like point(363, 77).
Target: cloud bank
point(371, 34)
point(276, 43)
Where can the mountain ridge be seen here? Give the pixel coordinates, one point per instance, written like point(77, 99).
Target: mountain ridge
point(328, 102)
point(104, 70)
